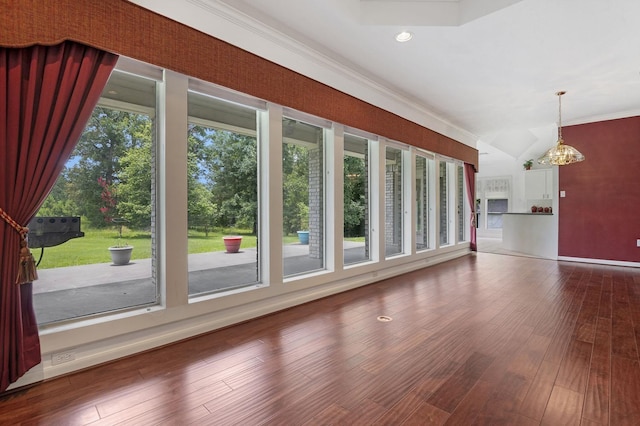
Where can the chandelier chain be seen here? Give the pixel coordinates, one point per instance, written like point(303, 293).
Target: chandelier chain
point(560, 116)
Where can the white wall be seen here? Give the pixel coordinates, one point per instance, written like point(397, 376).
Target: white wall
point(494, 162)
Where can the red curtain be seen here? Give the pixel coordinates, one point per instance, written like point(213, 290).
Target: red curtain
point(470, 176)
point(47, 94)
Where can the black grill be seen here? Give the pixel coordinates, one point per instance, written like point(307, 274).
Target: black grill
point(53, 231)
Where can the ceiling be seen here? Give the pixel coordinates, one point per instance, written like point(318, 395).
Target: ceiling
point(477, 70)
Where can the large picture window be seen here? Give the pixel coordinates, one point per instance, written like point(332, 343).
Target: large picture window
point(222, 195)
point(425, 199)
point(449, 201)
point(303, 197)
point(462, 223)
point(107, 188)
point(356, 243)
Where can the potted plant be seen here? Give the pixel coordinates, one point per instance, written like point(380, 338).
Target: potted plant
point(527, 164)
point(121, 251)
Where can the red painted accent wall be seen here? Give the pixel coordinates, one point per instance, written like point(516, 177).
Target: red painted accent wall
point(600, 215)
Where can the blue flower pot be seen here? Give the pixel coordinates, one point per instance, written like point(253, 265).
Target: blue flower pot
point(303, 236)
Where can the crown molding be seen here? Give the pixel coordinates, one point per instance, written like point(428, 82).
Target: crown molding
point(603, 117)
point(220, 20)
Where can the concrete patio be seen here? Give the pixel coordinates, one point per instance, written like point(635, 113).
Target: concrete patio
point(70, 292)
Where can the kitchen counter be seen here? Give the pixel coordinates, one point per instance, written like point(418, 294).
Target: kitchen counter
point(533, 214)
point(535, 234)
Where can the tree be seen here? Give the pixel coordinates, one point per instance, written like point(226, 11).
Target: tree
point(231, 173)
point(295, 188)
point(109, 135)
point(134, 189)
point(57, 202)
point(355, 181)
point(200, 205)
point(202, 209)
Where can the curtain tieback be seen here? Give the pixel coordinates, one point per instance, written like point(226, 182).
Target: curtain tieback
point(27, 268)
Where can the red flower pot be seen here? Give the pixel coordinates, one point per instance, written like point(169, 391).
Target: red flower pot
point(232, 244)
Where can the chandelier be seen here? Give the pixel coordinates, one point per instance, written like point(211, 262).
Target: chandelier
point(561, 154)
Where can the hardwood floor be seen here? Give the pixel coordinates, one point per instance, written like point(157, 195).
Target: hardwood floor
point(486, 339)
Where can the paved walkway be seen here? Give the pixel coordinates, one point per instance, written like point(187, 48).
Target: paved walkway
point(69, 277)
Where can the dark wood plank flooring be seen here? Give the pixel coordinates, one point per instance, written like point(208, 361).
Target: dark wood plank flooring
point(486, 339)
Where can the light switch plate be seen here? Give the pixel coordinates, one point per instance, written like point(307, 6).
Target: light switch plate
point(563, 194)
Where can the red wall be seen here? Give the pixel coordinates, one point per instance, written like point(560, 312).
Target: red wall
point(600, 215)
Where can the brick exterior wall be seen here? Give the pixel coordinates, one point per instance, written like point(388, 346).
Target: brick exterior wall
point(154, 250)
point(393, 204)
point(442, 183)
point(367, 219)
point(423, 241)
point(316, 205)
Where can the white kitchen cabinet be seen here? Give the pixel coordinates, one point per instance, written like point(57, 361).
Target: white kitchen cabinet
point(538, 184)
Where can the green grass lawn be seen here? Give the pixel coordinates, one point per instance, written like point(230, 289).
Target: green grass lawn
point(92, 248)
point(355, 239)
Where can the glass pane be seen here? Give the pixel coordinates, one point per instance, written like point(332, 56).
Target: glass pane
point(495, 208)
point(393, 202)
point(356, 200)
point(104, 197)
point(423, 216)
point(303, 197)
point(222, 195)
point(444, 204)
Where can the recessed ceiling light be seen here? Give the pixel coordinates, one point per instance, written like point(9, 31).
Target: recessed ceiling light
point(404, 36)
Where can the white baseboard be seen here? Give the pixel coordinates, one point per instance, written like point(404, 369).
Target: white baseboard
point(600, 261)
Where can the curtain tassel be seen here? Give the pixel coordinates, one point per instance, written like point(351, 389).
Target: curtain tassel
point(27, 272)
point(27, 268)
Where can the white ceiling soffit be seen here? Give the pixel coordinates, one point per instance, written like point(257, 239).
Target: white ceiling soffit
point(514, 142)
point(439, 13)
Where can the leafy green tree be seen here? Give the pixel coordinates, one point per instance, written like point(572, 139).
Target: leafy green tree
point(355, 181)
point(232, 176)
point(134, 188)
point(57, 202)
point(295, 187)
point(109, 135)
point(200, 205)
point(202, 209)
